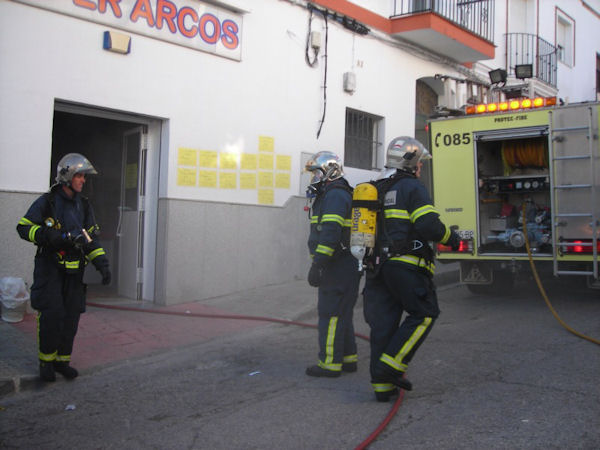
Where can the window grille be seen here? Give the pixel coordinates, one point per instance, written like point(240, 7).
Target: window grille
point(362, 147)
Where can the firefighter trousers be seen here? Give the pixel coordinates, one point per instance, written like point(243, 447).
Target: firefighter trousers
point(398, 290)
point(59, 298)
point(336, 300)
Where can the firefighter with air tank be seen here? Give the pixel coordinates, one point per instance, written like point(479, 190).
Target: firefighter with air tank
point(333, 268)
point(399, 262)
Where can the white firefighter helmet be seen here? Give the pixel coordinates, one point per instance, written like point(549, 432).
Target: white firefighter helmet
point(324, 166)
point(70, 164)
point(404, 153)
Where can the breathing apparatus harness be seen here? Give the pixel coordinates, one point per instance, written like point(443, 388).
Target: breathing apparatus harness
point(381, 252)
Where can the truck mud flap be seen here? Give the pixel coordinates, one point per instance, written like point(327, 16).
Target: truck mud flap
point(476, 273)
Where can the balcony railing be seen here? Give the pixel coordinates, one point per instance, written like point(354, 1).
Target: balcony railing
point(525, 48)
point(475, 16)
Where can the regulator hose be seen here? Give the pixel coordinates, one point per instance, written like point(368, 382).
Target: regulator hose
point(543, 291)
point(362, 446)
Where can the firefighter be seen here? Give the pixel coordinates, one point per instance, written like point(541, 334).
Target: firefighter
point(333, 268)
point(401, 280)
point(61, 224)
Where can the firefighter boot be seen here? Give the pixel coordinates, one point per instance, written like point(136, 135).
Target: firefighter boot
point(385, 374)
point(386, 395)
point(47, 371)
point(65, 370)
point(316, 371)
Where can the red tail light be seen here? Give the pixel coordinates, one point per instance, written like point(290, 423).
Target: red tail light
point(465, 246)
point(580, 246)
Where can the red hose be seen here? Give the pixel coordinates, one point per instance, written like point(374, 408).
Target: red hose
point(362, 446)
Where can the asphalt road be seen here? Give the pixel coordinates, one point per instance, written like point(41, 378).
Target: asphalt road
point(495, 373)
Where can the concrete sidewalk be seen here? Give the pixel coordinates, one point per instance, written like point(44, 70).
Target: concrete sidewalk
point(117, 329)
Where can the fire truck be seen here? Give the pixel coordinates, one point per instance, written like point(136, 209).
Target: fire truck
point(519, 180)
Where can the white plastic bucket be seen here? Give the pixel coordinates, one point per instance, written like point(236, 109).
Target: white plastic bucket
point(14, 298)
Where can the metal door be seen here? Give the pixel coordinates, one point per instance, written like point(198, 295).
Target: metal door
point(130, 232)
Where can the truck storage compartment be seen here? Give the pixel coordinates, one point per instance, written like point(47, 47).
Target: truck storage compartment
point(512, 172)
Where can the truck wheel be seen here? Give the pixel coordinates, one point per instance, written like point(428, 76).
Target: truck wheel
point(503, 284)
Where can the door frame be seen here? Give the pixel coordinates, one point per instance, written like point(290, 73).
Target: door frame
point(152, 179)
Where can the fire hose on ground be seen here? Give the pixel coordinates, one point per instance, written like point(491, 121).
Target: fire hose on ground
point(362, 445)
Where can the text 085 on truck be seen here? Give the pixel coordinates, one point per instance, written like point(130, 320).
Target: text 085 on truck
point(524, 169)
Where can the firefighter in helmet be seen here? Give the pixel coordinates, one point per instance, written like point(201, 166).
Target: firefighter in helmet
point(61, 224)
point(401, 282)
point(333, 268)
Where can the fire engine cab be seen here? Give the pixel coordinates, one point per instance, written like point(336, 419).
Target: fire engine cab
point(518, 174)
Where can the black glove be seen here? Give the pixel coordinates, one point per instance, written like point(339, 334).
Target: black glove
point(315, 274)
point(57, 239)
point(105, 275)
point(453, 241)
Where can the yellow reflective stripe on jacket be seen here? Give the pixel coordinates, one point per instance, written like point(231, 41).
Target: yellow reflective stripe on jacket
point(95, 253)
point(446, 236)
point(415, 261)
point(333, 218)
point(393, 362)
point(314, 219)
point(421, 212)
point(396, 214)
point(32, 232)
point(324, 250)
point(34, 227)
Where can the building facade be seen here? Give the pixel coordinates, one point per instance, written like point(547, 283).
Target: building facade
point(199, 115)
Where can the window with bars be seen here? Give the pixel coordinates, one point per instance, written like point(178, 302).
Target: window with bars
point(362, 146)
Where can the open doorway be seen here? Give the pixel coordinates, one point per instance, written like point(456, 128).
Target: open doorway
point(117, 149)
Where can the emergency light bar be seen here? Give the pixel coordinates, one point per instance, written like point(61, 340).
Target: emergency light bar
point(511, 105)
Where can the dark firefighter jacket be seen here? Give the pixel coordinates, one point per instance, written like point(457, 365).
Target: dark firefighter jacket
point(69, 216)
point(330, 221)
point(409, 223)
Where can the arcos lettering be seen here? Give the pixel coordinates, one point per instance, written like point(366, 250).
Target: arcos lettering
point(184, 21)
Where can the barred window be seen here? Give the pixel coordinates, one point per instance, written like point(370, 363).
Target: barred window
point(362, 146)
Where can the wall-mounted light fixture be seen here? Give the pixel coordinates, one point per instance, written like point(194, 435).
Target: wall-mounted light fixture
point(523, 71)
point(497, 76)
point(117, 42)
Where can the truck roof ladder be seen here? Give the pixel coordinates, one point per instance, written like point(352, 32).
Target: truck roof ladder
point(565, 196)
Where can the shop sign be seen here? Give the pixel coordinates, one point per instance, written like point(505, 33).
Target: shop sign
point(191, 23)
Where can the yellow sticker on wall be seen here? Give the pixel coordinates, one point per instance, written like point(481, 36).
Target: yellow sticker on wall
point(266, 144)
point(248, 180)
point(265, 161)
point(248, 161)
point(208, 158)
point(265, 179)
point(186, 157)
point(228, 160)
point(186, 177)
point(207, 178)
point(227, 180)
